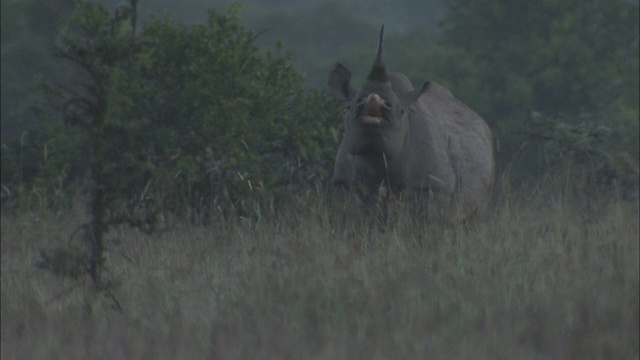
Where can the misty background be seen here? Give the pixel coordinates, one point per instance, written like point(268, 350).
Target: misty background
point(317, 33)
point(556, 81)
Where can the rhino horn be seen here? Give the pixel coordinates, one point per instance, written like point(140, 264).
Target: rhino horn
point(378, 72)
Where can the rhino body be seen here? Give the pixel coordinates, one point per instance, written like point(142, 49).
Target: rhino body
point(404, 139)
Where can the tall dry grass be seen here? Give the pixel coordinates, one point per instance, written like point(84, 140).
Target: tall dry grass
point(539, 278)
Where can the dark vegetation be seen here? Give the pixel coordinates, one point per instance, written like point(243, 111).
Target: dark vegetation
point(540, 278)
point(148, 116)
point(219, 110)
point(212, 115)
point(117, 124)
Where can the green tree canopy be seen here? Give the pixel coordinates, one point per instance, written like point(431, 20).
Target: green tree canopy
point(572, 59)
point(222, 114)
point(211, 116)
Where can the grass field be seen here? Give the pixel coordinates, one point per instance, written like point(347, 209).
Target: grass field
point(537, 279)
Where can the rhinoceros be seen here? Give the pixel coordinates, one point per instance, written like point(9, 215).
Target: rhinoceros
point(411, 140)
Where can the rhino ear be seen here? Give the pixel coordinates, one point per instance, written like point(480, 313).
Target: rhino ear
point(413, 95)
point(340, 82)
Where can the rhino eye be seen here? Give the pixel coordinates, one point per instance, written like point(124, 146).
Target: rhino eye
point(386, 104)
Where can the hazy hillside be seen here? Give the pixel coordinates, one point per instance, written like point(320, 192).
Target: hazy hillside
point(317, 32)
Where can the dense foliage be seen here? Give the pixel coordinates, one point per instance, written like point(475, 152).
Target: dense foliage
point(218, 106)
point(215, 113)
point(572, 60)
point(205, 114)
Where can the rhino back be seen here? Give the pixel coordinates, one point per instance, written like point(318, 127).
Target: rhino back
point(460, 141)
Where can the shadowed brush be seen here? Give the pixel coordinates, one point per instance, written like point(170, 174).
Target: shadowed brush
point(66, 261)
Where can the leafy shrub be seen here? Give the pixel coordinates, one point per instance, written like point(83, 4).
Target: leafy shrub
point(566, 58)
point(581, 152)
point(209, 116)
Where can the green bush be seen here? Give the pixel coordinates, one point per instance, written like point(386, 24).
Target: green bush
point(221, 114)
point(210, 116)
point(565, 59)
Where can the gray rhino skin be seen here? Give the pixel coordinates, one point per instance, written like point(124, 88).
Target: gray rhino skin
point(411, 139)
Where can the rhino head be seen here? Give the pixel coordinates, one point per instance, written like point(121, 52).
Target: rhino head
point(376, 123)
point(420, 141)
